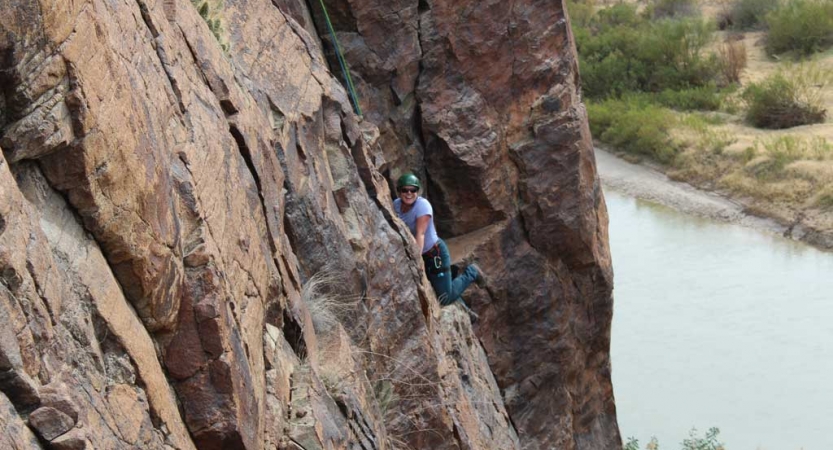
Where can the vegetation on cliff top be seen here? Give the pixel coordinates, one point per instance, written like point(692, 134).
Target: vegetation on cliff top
point(662, 82)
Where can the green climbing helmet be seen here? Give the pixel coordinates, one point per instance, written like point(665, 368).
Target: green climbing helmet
point(408, 179)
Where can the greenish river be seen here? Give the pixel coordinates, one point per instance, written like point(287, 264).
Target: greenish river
point(719, 325)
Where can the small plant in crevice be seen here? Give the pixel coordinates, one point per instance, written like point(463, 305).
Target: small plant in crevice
point(210, 11)
point(328, 306)
point(403, 394)
point(386, 398)
point(325, 305)
point(333, 380)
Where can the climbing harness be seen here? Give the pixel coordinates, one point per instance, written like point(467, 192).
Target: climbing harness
point(350, 88)
point(438, 263)
point(434, 262)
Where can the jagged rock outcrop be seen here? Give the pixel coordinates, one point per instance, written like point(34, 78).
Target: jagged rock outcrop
point(483, 97)
point(167, 208)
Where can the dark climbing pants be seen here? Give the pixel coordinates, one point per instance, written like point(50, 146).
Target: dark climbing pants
point(447, 290)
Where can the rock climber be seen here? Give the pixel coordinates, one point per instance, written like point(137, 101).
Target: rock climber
point(417, 213)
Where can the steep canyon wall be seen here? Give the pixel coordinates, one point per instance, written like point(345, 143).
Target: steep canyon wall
point(198, 249)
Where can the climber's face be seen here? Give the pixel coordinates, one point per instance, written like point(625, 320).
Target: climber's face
point(408, 194)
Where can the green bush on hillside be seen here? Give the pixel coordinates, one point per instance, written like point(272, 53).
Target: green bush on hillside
point(750, 14)
point(581, 12)
point(785, 101)
point(701, 98)
point(672, 8)
point(802, 26)
point(634, 125)
point(619, 15)
point(623, 52)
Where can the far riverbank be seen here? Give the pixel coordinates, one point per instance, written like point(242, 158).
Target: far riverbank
point(649, 184)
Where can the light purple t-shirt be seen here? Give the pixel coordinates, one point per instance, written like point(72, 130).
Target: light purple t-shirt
point(421, 208)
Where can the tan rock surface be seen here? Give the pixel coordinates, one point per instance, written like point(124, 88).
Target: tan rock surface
point(165, 203)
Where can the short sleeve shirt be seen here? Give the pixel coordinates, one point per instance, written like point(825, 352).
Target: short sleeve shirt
point(421, 208)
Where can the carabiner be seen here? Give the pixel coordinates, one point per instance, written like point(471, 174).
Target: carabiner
point(438, 262)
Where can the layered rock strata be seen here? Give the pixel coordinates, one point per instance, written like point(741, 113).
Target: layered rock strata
point(198, 249)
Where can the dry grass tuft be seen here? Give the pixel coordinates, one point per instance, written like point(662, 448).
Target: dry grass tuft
point(791, 170)
point(326, 307)
point(732, 57)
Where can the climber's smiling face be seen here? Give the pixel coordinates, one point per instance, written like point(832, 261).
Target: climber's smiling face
point(408, 194)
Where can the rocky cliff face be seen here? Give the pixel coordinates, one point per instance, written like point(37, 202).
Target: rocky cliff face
point(198, 250)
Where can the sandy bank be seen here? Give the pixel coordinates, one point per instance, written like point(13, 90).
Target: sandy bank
point(645, 183)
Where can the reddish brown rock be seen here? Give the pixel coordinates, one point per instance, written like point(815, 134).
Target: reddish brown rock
point(491, 90)
point(15, 432)
point(73, 440)
point(172, 202)
point(50, 423)
point(57, 396)
point(82, 353)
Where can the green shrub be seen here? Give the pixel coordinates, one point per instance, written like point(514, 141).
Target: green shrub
point(672, 8)
point(631, 444)
point(819, 149)
point(783, 151)
point(802, 26)
point(620, 14)
point(581, 12)
point(787, 149)
point(784, 101)
point(706, 137)
point(750, 14)
point(623, 52)
point(693, 442)
point(707, 442)
point(702, 98)
point(635, 126)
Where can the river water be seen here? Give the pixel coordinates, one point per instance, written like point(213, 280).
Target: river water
point(719, 325)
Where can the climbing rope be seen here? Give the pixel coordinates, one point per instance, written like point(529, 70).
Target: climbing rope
point(350, 88)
